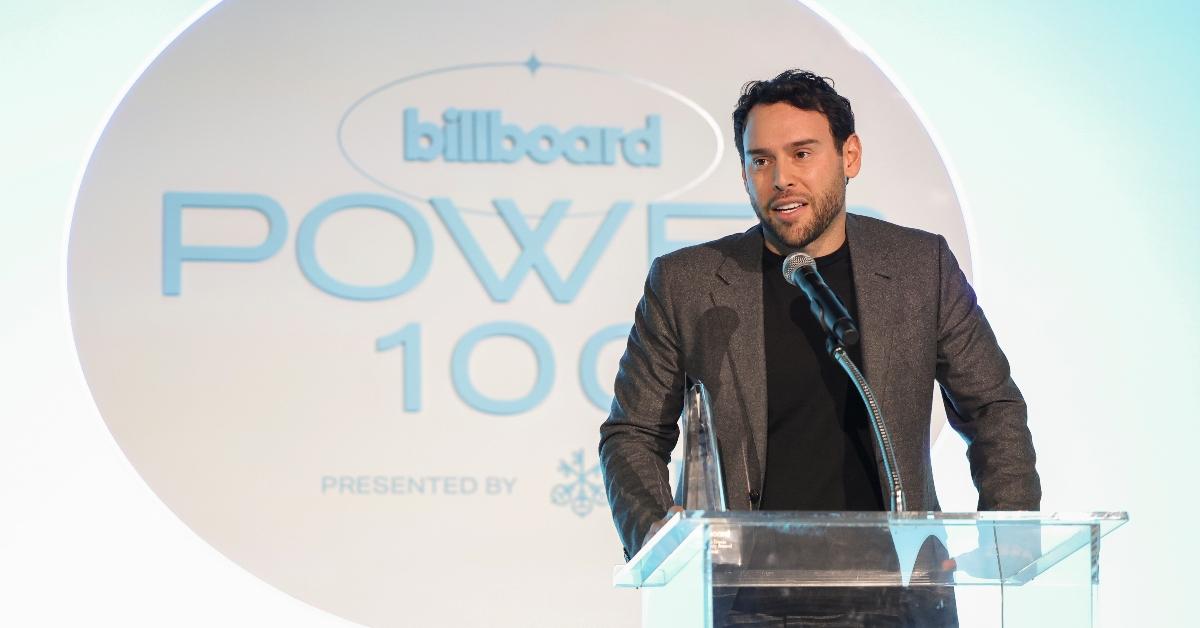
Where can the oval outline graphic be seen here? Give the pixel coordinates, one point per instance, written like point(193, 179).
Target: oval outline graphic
point(534, 64)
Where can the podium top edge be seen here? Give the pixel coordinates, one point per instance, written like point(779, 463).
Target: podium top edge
point(776, 516)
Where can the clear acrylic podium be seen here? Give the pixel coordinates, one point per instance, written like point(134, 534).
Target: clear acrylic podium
point(1004, 568)
point(996, 568)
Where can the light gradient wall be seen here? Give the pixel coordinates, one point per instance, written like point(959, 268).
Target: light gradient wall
point(1069, 129)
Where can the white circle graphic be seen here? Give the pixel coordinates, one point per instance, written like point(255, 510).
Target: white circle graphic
point(349, 283)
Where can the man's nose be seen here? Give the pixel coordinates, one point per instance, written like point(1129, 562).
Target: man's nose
point(784, 177)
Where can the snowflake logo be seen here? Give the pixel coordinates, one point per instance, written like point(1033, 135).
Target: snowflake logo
point(582, 491)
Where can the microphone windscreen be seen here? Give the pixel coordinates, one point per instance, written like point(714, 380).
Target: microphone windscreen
point(794, 261)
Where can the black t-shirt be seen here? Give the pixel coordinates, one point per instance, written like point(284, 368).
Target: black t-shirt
point(819, 444)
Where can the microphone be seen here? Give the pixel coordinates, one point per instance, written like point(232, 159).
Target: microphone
point(800, 270)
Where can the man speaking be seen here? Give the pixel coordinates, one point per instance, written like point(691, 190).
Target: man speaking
point(793, 432)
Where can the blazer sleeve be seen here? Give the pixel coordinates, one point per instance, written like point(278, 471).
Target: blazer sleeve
point(982, 401)
point(642, 428)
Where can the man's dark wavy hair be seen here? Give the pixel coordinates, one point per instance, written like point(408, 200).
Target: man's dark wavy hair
point(803, 90)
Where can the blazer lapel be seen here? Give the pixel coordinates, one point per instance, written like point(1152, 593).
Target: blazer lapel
point(875, 289)
point(740, 289)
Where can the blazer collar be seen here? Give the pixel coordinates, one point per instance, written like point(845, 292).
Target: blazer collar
point(877, 290)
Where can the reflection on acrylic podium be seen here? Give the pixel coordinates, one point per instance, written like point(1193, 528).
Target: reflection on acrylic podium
point(708, 564)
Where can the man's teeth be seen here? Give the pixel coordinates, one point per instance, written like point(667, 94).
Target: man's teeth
point(789, 206)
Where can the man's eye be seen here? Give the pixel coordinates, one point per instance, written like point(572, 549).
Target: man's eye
point(759, 162)
point(802, 154)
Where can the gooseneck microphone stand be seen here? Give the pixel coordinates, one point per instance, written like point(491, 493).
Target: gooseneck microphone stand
point(882, 440)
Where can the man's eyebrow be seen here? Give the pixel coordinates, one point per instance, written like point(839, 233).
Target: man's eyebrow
point(791, 146)
point(801, 143)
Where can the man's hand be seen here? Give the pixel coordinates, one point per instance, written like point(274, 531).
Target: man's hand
point(1009, 554)
point(657, 525)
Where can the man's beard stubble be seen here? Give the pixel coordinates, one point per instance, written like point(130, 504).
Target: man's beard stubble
point(824, 208)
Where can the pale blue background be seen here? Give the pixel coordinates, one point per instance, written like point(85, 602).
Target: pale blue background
point(1071, 126)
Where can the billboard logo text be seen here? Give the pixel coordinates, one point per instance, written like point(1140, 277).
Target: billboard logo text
point(482, 136)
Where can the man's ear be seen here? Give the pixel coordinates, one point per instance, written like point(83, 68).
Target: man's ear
point(851, 156)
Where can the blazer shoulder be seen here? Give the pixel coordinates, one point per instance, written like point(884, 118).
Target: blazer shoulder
point(877, 230)
point(705, 258)
point(885, 240)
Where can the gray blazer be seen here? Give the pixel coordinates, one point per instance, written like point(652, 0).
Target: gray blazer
point(701, 316)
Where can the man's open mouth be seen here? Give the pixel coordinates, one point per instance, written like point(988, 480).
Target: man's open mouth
point(790, 206)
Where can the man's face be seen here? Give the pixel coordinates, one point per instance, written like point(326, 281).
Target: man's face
point(796, 178)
